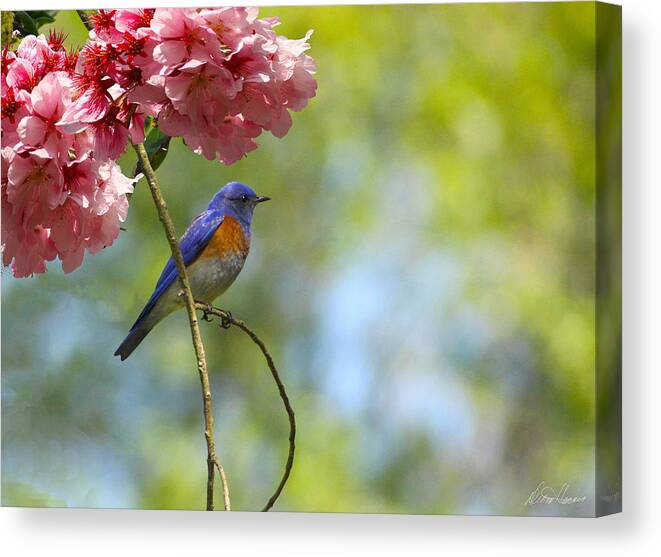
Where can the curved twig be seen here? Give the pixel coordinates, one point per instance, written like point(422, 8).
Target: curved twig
point(186, 292)
point(227, 320)
point(223, 481)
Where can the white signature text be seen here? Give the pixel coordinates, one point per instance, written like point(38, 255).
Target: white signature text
point(547, 495)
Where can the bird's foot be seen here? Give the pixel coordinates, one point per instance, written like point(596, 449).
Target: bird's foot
point(226, 320)
point(207, 312)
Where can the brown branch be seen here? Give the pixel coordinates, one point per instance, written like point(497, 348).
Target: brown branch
point(186, 292)
point(227, 320)
point(223, 481)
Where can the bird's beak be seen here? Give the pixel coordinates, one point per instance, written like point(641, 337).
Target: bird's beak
point(262, 198)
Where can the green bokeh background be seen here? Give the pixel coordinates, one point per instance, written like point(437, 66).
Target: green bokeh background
point(424, 278)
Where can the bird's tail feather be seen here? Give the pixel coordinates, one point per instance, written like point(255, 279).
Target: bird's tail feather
point(130, 343)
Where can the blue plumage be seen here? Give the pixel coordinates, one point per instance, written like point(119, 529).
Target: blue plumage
point(192, 243)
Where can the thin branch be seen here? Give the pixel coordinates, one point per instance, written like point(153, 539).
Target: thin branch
point(223, 481)
point(186, 292)
point(227, 320)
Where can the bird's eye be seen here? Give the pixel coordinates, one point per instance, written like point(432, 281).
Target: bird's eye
point(244, 198)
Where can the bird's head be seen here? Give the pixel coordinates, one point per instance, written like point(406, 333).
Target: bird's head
point(238, 199)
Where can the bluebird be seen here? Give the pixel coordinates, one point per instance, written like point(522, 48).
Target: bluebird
point(214, 249)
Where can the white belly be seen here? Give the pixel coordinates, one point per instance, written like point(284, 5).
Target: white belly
point(209, 278)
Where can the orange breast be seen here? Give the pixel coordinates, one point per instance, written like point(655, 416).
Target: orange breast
point(228, 238)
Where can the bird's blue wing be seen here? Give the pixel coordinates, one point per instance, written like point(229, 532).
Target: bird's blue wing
point(191, 243)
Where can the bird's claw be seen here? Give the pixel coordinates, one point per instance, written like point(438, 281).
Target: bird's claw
point(207, 312)
point(226, 320)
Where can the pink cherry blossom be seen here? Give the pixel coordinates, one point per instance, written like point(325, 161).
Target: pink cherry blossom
point(215, 77)
point(60, 198)
point(15, 106)
point(26, 248)
point(34, 186)
point(47, 102)
point(93, 224)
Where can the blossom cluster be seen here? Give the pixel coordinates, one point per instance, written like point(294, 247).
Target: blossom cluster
point(215, 77)
point(58, 198)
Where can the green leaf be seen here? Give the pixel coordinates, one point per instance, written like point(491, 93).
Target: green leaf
point(43, 17)
point(43, 20)
point(50, 14)
point(24, 23)
point(156, 144)
point(28, 23)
